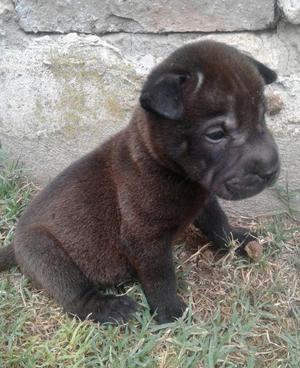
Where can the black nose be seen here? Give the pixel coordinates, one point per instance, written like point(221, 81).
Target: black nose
point(263, 158)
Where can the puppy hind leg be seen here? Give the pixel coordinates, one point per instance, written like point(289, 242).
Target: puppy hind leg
point(42, 258)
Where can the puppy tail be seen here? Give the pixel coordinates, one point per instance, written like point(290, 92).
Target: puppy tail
point(7, 258)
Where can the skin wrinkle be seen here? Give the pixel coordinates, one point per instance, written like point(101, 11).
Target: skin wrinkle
point(200, 79)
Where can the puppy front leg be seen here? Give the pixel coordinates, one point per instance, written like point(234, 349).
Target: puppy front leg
point(154, 266)
point(213, 222)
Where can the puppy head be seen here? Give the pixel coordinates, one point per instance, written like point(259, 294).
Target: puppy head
point(205, 107)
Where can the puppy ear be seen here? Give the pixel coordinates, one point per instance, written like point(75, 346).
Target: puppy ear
point(163, 95)
point(268, 74)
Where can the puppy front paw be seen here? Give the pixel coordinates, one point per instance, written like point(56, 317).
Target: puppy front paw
point(243, 237)
point(170, 311)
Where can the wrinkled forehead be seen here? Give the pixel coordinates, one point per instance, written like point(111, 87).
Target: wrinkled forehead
point(231, 86)
point(224, 76)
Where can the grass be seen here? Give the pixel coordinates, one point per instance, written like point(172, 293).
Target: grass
point(291, 199)
point(241, 313)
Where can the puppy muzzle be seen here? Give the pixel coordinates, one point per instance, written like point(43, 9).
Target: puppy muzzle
point(247, 185)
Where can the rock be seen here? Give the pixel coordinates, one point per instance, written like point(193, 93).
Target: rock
point(103, 16)
point(274, 103)
point(254, 250)
point(291, 10)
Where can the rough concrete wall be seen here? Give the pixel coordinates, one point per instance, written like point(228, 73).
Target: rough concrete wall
point(156, 16)
point(71, 72)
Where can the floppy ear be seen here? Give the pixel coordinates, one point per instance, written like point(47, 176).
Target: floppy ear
point(163, 95)
point(268, 75)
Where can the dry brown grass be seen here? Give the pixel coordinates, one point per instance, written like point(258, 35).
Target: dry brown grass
point(273, 282)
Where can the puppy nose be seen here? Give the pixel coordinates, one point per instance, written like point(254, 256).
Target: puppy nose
point(263, 159)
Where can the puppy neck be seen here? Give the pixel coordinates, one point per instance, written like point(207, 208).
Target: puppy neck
point(146, 140)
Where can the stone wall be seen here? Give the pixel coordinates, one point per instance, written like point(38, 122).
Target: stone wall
point(71, 72)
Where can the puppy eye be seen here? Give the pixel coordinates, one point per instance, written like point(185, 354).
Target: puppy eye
point(215, 136)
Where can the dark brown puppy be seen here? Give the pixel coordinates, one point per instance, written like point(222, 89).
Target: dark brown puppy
point(199, 132)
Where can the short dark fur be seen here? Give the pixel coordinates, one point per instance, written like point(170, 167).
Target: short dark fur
point(199, 133)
